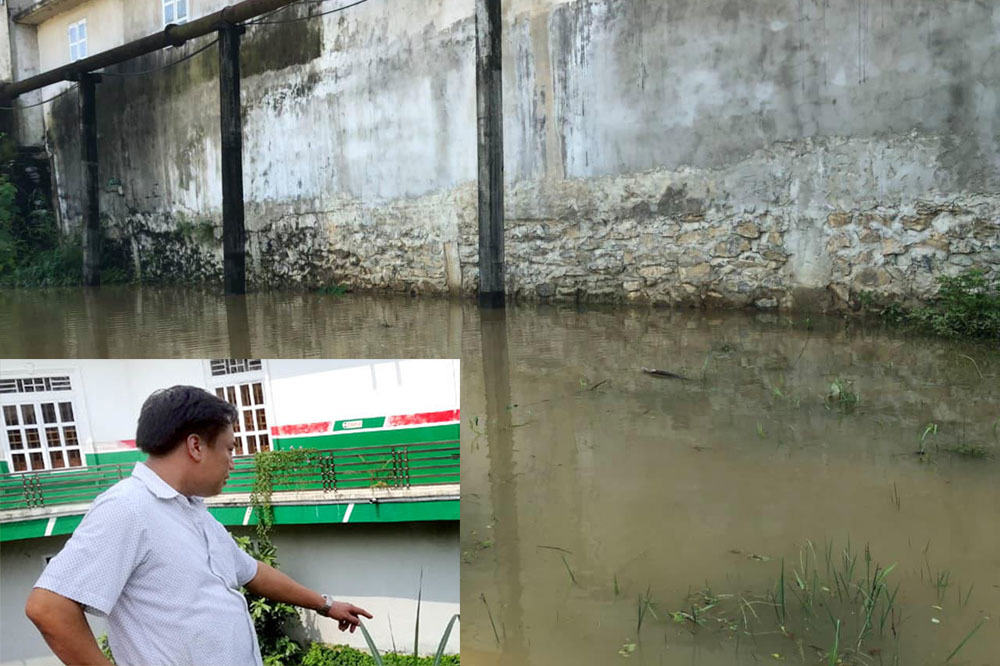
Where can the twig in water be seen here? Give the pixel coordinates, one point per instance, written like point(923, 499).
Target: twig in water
point(976, 365)
point(571, 576)
point(490, 615)
point(663, 373)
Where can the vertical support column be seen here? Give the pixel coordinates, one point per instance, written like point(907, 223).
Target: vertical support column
point(233, 229)
point(490, 125)
point(91, 209)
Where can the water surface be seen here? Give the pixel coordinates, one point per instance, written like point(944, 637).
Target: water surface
point(592, 489)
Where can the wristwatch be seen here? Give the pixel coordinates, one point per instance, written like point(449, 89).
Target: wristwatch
point(325, 608)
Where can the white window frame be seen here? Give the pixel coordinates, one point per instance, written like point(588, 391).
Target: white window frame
point(78, 46)
point(231, 383)
point(175, 5)
point(37, 399)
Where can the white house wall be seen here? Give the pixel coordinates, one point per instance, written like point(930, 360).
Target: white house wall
point(109, 393)
point(308, 391)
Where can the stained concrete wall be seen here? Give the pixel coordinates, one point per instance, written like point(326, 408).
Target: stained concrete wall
point(377, 567)
point(789, 154)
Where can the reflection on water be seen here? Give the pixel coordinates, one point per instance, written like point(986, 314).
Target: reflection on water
point(589, 484)
point(601, 492)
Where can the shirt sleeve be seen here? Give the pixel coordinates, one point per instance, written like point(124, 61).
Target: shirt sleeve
point(97, 561)
point(246, 566)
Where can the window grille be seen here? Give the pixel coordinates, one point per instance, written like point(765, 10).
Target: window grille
point(231, 366)
point(42, 435)
point(34, 384)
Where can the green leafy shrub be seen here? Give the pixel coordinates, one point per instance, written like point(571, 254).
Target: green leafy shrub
point(271, 619)
point(321, 654)
point(966, 306)
point(33, 252)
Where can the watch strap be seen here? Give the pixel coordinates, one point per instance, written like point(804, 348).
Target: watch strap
point(325, 608)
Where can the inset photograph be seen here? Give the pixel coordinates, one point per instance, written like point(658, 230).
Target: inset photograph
point(229, 511)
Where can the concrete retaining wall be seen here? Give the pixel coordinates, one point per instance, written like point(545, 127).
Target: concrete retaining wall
point(789, 154)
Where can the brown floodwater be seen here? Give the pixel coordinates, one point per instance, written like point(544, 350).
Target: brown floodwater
point(594, 493)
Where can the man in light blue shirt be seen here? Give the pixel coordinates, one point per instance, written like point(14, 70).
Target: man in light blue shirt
point(150, 558)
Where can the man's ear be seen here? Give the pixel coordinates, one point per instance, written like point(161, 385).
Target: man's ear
point(195, 447)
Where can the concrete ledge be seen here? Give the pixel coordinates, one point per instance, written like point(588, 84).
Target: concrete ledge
point(293, 498)
point(43, 10)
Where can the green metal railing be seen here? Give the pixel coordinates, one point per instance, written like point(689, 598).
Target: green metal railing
point(387, 466)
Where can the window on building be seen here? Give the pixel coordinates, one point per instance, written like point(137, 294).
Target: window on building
point(231, 366)
point(78, 40)
point(41, 434)
point(175, 11)
point(240, 382)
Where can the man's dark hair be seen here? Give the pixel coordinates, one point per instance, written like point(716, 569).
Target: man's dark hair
point(169, 415)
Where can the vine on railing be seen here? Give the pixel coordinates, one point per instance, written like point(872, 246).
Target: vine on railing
point(268, 466)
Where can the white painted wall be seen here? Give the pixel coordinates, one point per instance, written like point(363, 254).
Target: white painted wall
point(375, 566)
point(108, 394)
point(22, 564)
point(104, 31)
point(312, 391)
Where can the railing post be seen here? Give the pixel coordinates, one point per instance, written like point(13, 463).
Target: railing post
point(405, 464)
point(32, 490)
point(333, 471)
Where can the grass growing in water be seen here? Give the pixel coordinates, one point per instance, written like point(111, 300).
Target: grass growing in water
point(841, 609)
point(842, 396)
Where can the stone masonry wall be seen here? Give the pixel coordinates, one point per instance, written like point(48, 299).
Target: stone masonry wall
point(784, 154)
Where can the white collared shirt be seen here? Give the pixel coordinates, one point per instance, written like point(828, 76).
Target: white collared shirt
point(164, 572)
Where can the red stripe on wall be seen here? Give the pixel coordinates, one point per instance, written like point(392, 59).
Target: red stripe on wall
point(301, 429)
point(419, 419)
point(127, 442)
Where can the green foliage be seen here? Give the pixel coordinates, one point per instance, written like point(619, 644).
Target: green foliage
point(271, 619)
point(201, 232)
point(966, 306)
point(332, 289)
point(321, 654)
point(842, 396)
point(102, 642)
point(269, 466)
point(33, 252)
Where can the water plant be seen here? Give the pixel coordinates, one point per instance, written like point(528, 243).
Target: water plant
point(842, 396)
point(846, 604)
point(333, 289)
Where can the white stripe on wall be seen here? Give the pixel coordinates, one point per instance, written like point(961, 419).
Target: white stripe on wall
point(347, 516)
point(50, 526)
point(246, 516)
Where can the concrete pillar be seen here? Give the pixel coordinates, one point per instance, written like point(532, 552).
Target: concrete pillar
point(91, 209)
point(233, 229)
point(490, 125)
